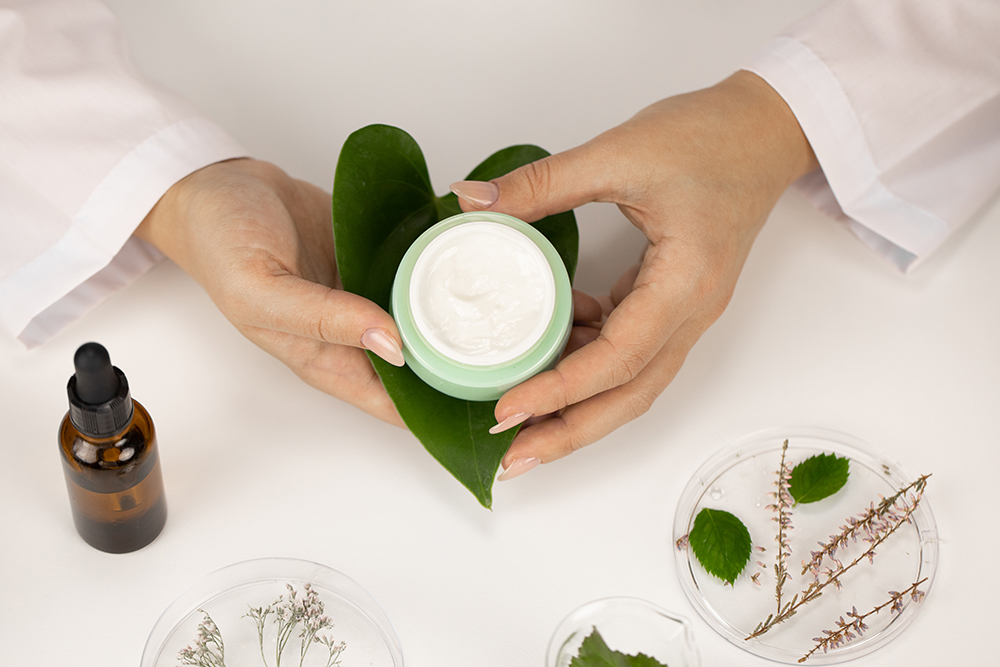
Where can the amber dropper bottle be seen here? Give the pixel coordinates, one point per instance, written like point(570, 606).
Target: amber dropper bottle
point(110, 459)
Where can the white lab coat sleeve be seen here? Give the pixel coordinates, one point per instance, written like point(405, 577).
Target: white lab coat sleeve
point(87, 148)
point(900, 100)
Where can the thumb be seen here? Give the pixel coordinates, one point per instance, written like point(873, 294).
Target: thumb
point(551, 185)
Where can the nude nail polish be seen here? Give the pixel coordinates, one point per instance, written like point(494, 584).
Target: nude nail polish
point(383, 345)
point(510, 422)
point(518, 467)
point(477, 193)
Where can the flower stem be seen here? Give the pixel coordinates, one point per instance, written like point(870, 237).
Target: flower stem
point(878, 533)
point(846, 630)
point(863, 524)
point(782, 503)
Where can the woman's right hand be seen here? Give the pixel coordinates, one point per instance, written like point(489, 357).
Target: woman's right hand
point(698, 174)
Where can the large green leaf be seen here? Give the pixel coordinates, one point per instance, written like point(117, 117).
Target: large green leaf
point(382, 201)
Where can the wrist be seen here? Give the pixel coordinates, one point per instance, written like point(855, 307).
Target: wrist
point(166, 225)
point(788, 150)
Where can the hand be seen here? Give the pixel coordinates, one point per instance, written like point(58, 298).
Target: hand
point(698, 174)
point(261, 244)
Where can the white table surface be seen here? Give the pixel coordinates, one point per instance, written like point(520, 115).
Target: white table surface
point(820, 332)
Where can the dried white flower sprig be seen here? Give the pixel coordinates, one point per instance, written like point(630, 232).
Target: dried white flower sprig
point(288, 614)
point(305, 613)
point(852, 629)
point(208, 649)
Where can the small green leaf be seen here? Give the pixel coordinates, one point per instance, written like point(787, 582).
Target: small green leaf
point(818, 477)
point(721, 543)
point(382, 201)
point(594, 652)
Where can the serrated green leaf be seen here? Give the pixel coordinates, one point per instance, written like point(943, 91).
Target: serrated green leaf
point(382, 201)
point(818, 477)
point(721, 543)
point(643, 660)
point(594, 652)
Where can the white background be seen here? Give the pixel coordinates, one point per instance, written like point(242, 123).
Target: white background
point(820, 332)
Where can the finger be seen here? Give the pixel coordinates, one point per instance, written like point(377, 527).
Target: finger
point(537, 420)
point(289, 304)
point(607, 304)
point(633, 334)
point(585, 423)
point(551, 185)
point(579, 336)
point(624, 286)
point(586, 308)
point(340, 371)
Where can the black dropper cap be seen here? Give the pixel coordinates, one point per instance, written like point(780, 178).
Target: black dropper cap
point(99, 400)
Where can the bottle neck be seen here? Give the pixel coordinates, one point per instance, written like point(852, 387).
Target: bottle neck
point(103, 420)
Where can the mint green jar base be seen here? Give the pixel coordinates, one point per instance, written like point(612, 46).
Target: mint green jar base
point(496, 382)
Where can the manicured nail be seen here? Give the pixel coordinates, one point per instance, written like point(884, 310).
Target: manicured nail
point(518, 467)
point(477, 193)
point(383, 345)
point(510, 422)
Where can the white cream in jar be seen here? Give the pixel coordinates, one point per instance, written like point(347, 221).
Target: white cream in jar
point(482, 293)
point(482, 302)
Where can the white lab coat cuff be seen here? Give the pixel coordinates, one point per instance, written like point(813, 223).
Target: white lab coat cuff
point(849, 187)
point(98, 254)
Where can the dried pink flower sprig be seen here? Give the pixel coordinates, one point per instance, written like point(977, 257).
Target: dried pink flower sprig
point(782, 507)
point(848, 630)
point(869, 525)
point(890, 518)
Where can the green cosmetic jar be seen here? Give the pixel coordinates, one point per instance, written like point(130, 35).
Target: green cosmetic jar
point(482, 302)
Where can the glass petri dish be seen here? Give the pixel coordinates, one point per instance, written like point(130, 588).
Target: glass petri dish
point(228, 596)
point(627, 625)
point(738, 479)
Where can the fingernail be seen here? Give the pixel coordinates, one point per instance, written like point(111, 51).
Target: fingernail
point(518, 467)
point(477, 193)
point(383, 345)
point(510, 422)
